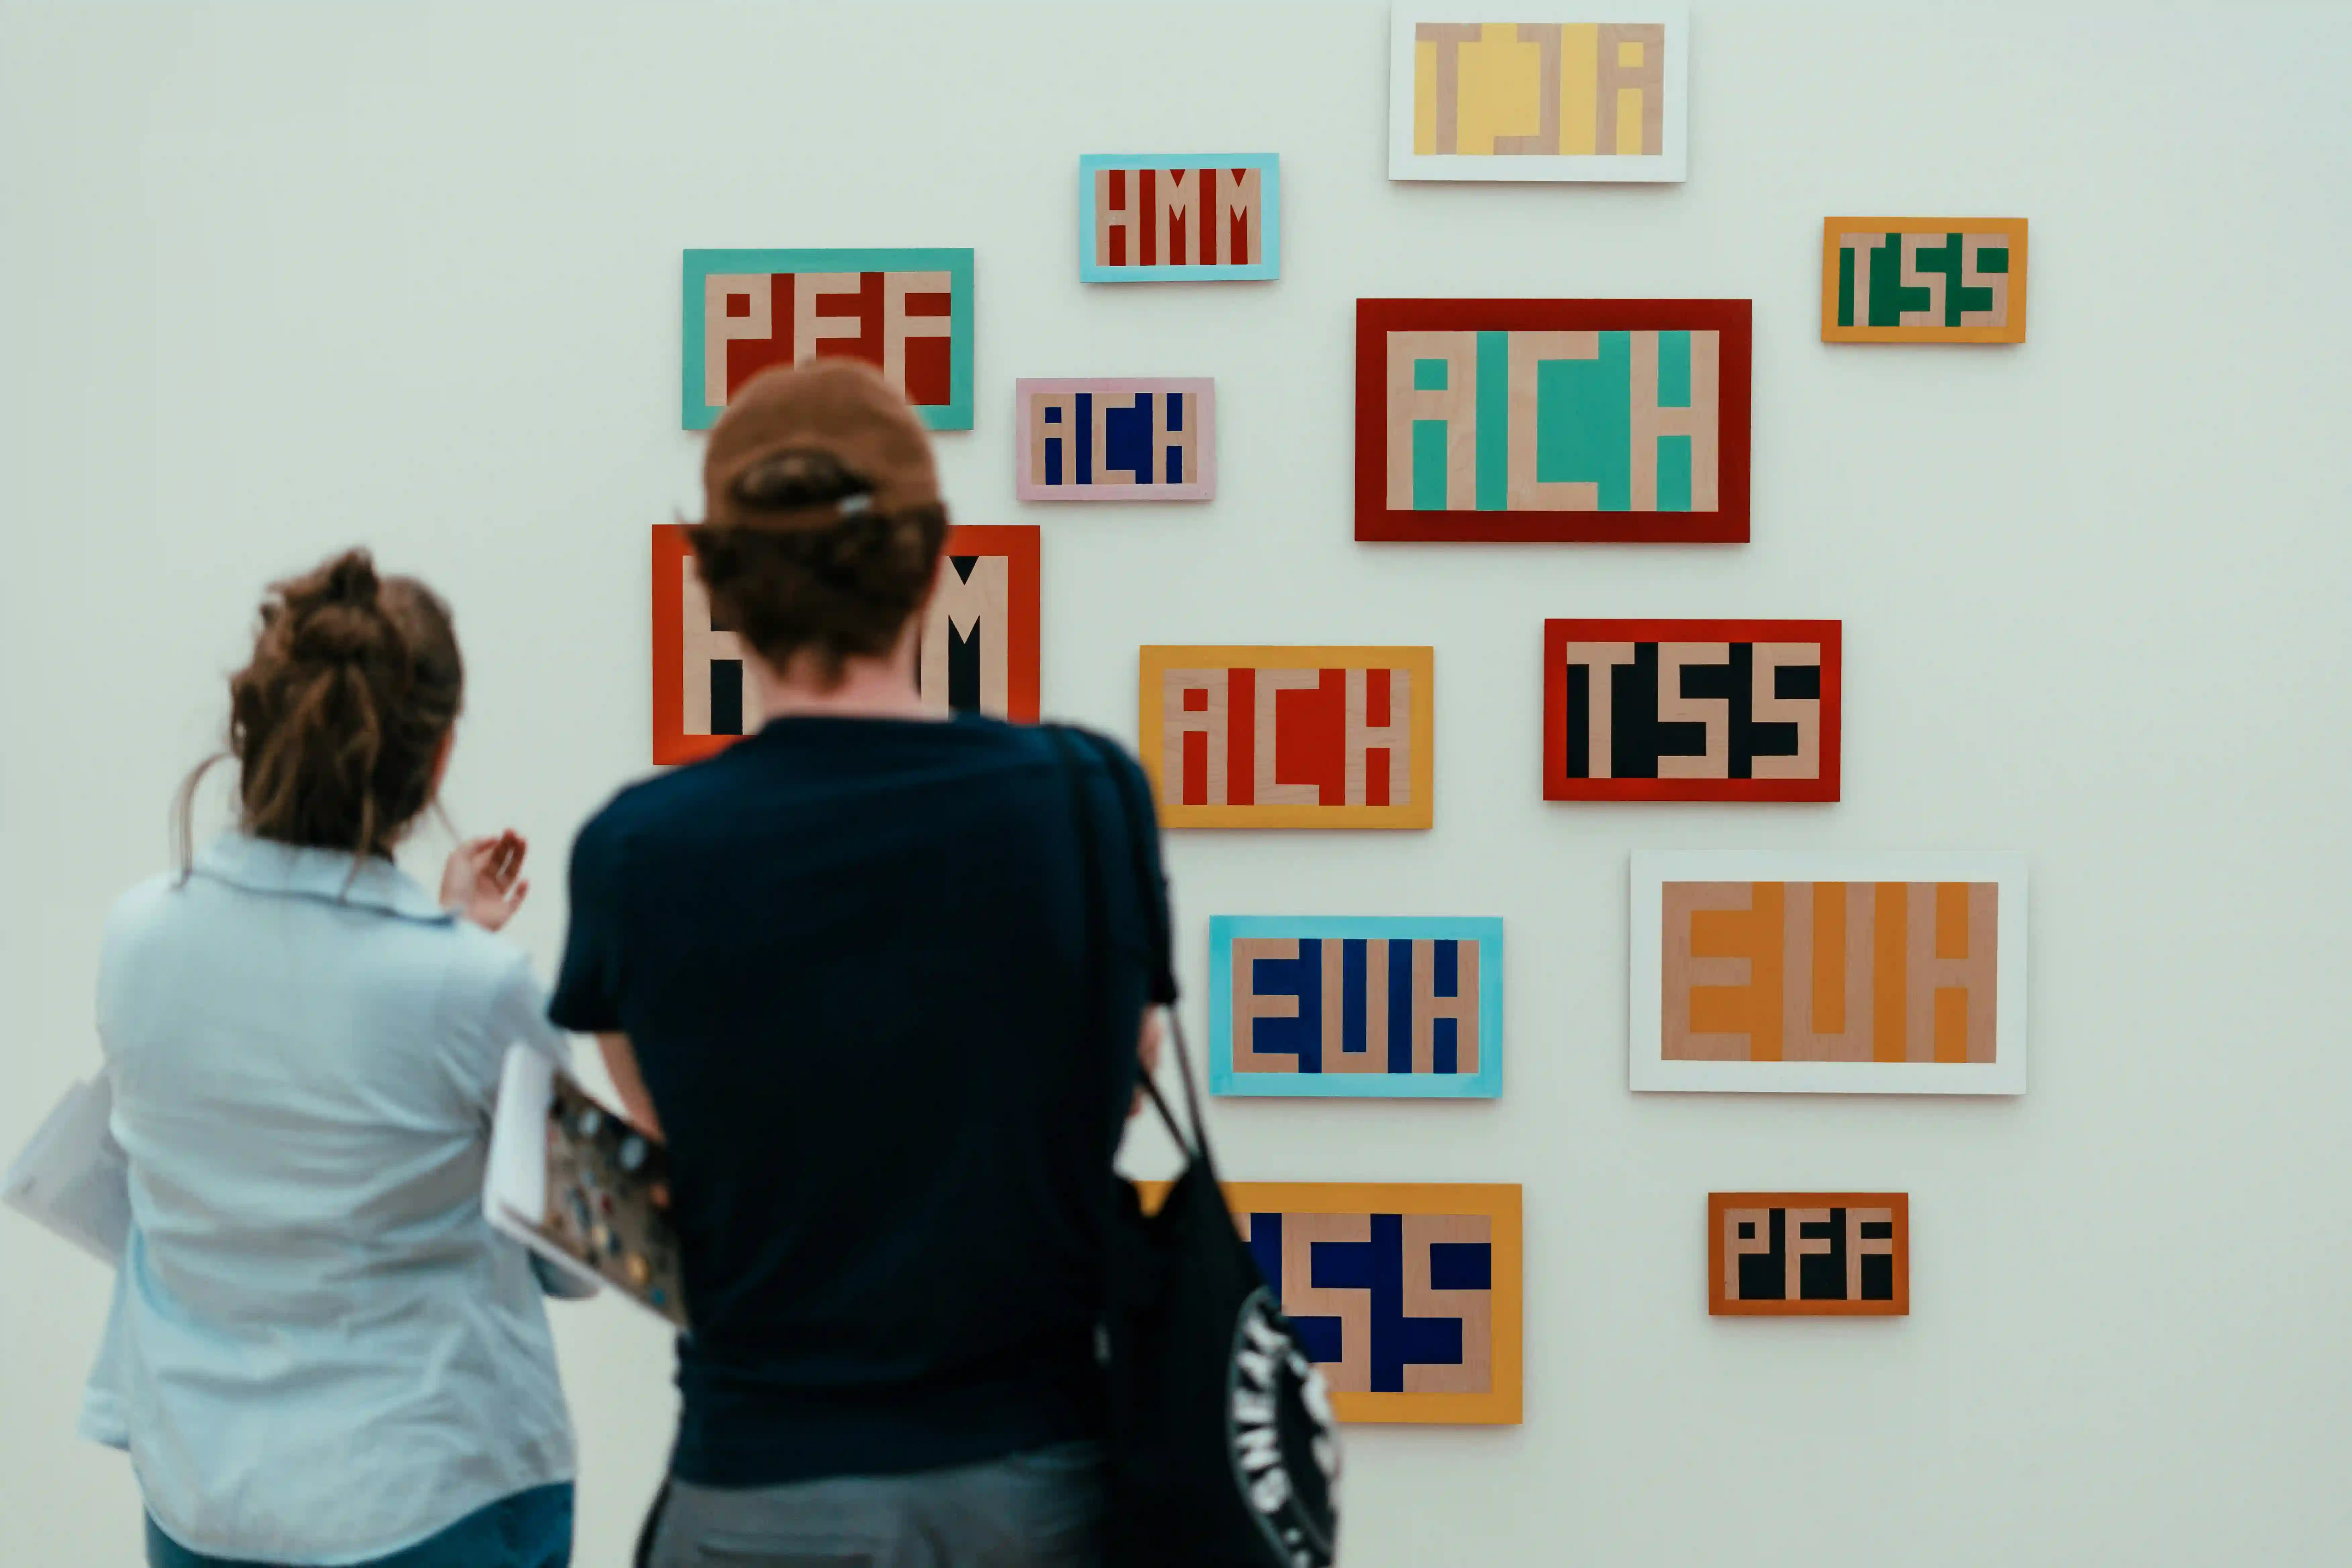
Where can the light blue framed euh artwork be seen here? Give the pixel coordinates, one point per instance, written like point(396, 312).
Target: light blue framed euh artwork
point(908, 312)
point(1372, 1006)
point(1176, 217)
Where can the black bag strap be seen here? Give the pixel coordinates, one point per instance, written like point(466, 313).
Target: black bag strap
point(1069, 743)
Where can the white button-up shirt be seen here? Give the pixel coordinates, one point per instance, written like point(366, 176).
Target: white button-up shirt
point(319, 1351)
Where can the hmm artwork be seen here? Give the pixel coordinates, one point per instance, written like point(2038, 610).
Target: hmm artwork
point(1406, 1296)
point(979, 651)
point(1538, 92)
point(1727, 710)
point(1372, 1006)
point(1176, 218)
point(908, 311)
point(1923, 280)
point(1808, 1255)
point(1620, 420)
point(1133, 438)
point(1870, 973)
point(1289, 737)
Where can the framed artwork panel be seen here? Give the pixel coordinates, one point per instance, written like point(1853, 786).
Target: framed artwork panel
point(979, 652)
point(1175, 217)
point(1580, 92)
point(1802, 973)
point(1923, 280)
point(1808, 1255)
point(1579, 420)
point(1114, 438)
point(908, 312)
point(1289, 737)
point(1692, 709)
point(1365, 1007)
point(1408, 1295)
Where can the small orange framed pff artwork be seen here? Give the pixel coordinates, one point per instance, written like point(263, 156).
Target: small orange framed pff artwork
point(1289, 737)
point(979, 651)
point(1808, 1255)
point(1406, 1295)
point(1923, 280)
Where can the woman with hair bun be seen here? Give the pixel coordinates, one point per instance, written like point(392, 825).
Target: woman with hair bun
point(845, 967)
point(319, 1353)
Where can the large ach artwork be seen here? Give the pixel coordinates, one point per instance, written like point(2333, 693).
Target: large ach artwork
point(1620, 420)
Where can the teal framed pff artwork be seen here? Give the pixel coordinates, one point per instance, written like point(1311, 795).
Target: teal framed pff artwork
point(906, 312)
point(1620, 421)
point(1368, 1007)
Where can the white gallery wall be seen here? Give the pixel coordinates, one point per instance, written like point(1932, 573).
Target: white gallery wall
point(275, 278)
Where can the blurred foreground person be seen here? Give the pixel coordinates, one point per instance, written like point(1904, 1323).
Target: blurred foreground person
point(839, 967)
point(319, 1351)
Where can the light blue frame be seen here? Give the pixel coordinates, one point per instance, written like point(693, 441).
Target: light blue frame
point(955, 415)
point(1486, 1083)
point(1269, 168)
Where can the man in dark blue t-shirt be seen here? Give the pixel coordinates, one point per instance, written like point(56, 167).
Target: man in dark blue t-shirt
point(843, 968)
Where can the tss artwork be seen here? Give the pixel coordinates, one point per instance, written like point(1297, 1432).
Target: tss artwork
point(1407, 1296)
point(1923, 280)
point(1721, 710)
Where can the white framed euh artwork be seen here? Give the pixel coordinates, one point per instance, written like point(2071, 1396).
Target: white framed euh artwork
point(1799, 973)
point(1593, 91)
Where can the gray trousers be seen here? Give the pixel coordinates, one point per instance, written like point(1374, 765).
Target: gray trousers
point(1038, 1509)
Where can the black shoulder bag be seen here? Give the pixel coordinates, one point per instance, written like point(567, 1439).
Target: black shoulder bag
point(1222, 1448)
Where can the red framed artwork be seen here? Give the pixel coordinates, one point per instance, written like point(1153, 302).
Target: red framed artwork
point(1527, 420)
point(980, 648)
point(1692, 710)
point(1808, 1255)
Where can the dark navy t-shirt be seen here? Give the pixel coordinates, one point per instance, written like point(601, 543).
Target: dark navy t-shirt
point(850, 955)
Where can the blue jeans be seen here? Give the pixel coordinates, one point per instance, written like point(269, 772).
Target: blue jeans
point(529, 1530)
point(1038, 1509)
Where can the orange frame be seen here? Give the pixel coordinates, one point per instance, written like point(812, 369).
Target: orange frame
point(1499, 1407)
point(2013, 333)
point(673, 557)
point(1418, 812)
point(1717, 1203)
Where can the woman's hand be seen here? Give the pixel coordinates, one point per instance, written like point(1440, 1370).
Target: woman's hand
point(484, 880)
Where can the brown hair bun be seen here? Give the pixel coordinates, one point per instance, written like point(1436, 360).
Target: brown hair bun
point(337, 719)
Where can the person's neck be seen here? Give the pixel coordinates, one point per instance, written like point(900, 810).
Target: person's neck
point(868, 689)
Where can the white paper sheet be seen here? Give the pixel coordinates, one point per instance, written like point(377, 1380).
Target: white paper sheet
point(72, 1177)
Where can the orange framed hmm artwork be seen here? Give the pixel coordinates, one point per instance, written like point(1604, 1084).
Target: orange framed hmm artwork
point(979, 651)
point(1407, 1295)
point(1923, 280)
point(1808, 1255)
point(1289, 737)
